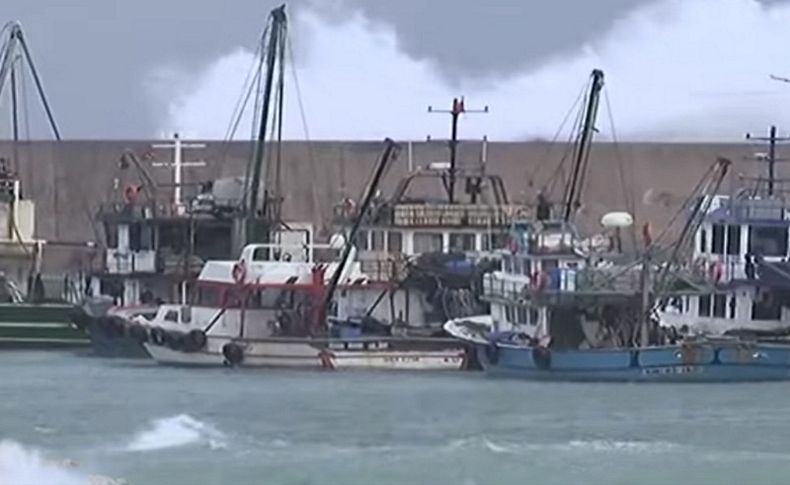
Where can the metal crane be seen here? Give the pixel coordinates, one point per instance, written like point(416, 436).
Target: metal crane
point(273, 59)
point(13, 49)
point(574, 188)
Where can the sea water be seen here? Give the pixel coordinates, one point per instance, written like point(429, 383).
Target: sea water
point(69, 419)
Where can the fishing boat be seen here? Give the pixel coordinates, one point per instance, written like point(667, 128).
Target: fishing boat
point(267, 310)
point(742, 248)
point(572, 319)
point(32, 314)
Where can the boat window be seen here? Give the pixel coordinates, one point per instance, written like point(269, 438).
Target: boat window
point(533, 316)
point(361, 240)
point(507, 263)
point(208, 296)
point(509, 313)
point(526, 267)
point(377, 240)
point(733, 239)
point(719, 305)
point(768, 240)
point(733, 306)
point(522, 315)
point(704, 306)
point(550, 264)
point(517, 264)
point(395, 242)
point(462, 242)
point(766, 307)
point(493, 241)
point(171, 316)
point(703, 240)
point(427, 242)
point(111, 233)
point(718, 239)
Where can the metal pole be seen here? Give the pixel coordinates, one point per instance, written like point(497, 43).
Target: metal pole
point(771, 159)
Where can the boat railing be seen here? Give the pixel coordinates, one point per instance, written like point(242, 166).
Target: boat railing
point(563, 280)
point(432, 215)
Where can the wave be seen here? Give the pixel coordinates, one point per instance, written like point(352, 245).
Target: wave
point(175, 431)
point(20, 466)
point(617, 446)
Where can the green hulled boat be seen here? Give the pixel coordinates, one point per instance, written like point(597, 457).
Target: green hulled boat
point(39, 325)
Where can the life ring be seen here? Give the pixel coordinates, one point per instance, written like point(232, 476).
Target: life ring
point(239, 272)
point(131, 192)
point(541, 356)
point(233, 353)
point(195, 340)
point(158, 336)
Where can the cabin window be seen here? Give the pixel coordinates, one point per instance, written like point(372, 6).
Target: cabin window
point(766, 307)
point(377, 240)
point(733, 239)
point(509, 313)
point(719, 306)
point(768, 240)
point(493, 241)
point(462, 242)
point(517, 264)
point(550, 264)
point(704, 306)
point(733, 306)
point(427, 242)
point(703, 241)
point(507, 263)
point(522, 315)
point(526, 267)
point(717, 244)
point(395, 242)
point(533, 316)
point(361, 240)
point(171, 316)
point(209, 296)
point(111, 233)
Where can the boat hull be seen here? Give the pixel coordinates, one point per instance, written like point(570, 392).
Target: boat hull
point(698, 363)
point(46, 325)
point(112, 344)
point(364, 353)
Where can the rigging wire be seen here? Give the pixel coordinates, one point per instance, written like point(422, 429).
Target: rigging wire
point(533, 173)
point(628, 195)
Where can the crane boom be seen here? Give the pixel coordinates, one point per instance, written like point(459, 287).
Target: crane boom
point(273, 54)
point(574, 188)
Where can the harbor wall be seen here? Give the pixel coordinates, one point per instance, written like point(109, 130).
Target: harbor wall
point(69, 179)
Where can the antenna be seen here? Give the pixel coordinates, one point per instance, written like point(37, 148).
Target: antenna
point(769, 157)
point(455, 112)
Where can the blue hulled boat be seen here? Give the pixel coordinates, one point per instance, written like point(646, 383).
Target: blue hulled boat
point(565, 312)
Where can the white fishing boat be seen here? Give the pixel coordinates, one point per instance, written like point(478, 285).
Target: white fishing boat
point(266, 310)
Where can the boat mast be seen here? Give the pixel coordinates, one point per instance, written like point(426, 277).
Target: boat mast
point(574, 187)
point(391, 150)
point(274, 57)
point(457, 109)
point(770, 158)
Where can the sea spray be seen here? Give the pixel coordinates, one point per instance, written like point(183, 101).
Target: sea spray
point(175, 431)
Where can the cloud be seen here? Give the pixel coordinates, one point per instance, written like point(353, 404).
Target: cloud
point(675, 70)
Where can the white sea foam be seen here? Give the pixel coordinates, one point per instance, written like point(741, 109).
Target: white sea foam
point(175, 431)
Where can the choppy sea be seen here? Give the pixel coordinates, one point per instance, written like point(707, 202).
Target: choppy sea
point(67, 419)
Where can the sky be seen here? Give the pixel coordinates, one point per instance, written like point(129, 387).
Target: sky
point(677, 70)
